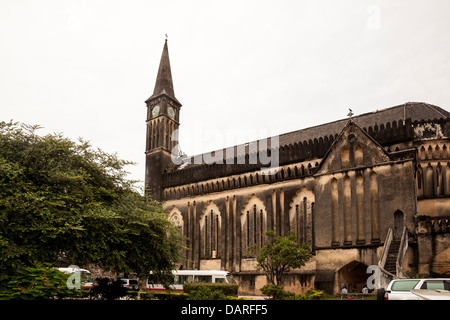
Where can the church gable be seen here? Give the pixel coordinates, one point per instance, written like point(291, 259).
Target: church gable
point(352, 149)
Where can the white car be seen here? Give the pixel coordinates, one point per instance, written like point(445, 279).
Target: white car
point(131, 284)
point(400, 289)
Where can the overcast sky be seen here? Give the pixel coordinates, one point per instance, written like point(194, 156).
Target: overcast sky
point(243, 70)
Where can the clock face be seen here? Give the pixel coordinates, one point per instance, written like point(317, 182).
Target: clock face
point(171, 112)
point(155, 111)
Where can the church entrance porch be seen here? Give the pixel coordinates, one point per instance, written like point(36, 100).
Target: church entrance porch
point(353, 276)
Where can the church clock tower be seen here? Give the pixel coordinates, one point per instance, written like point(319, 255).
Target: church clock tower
point(163, 115)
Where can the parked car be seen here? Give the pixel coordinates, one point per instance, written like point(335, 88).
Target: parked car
point(400, 289)
point(131, 284)
point(432, 294)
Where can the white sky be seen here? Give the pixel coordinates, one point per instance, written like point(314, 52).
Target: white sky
point(242, 69)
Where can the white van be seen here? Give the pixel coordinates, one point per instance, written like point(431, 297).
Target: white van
point(86, 280)
point(181, 277)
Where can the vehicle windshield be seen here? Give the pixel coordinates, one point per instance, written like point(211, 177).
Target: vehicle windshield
point(405, 285)
point(86, 277)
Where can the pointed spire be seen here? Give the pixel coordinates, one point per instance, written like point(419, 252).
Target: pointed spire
point(164, 83)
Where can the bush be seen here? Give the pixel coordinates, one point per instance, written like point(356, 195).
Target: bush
point(300, 296)
point(170, 295)
point(35, 283)
point(226, 288)
point(146, 295)
point(243, 299)
point(206, 293)
point(163, 295)
point(276, 292)
point(315, 294)
point(107, 289)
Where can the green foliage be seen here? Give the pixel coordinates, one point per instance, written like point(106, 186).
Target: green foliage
point(170, 295)
point(227, 289)
point(145, 295)
point(314, 294)
point(108, 289)
point(206, 293)
point(35, 283)
point(197, 291)
point(276, 292)
point(281, 254)
point(64, 202)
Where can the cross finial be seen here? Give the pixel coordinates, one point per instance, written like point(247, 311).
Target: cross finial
point(350, 114)
point(166, 36)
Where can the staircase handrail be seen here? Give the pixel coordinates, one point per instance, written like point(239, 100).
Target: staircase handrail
point(401, 253)
point(386, 247)
point(385, 276)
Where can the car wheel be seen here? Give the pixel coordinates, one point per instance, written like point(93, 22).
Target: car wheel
point(380, 294)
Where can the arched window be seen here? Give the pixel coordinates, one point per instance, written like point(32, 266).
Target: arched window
point(210, 230)
point(428, 174)
point(438, 180)
point(301, 214)
point(359, 155)
point(345, 158)
point(253, 224)
point(419, 181)
point(422, 153)
point(177, 219)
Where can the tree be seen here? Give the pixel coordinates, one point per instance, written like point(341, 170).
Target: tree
point(64, 202)
point(281, 254)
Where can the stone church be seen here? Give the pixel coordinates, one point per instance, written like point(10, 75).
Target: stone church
point(369, 190)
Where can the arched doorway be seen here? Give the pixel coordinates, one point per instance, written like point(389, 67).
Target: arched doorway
point(353, 276)
point(398, 224)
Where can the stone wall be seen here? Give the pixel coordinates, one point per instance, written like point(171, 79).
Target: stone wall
point(433, 241)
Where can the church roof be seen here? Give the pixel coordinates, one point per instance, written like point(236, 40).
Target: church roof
point(413, 111)
point(164, 82)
